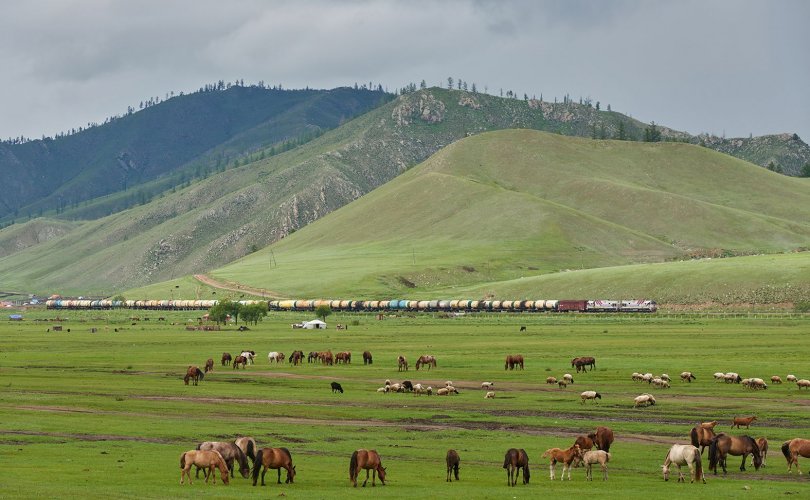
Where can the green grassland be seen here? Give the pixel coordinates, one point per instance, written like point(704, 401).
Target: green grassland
point(106, 414)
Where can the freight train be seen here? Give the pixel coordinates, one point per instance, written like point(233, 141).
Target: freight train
point(455, 305)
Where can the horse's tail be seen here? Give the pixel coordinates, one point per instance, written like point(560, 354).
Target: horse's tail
point(713, 455)
point(200, 374)
point(698, 465)
point(353, 465)
point(694, 435)
point(183, 461)
point(786, 450)
point(251, 450)
point(257, 466)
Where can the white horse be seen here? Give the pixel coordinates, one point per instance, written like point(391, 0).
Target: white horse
point(274, 357)
point(249, 355)
point(684, 454)
point(600, 457)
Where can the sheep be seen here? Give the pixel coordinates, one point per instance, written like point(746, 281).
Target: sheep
point(647, 377)
point(448, 383)
point(487, 385)
point(732, 378)
point(757, 383)
point(719, 377)
point(442, 392)
point(776, 379)
point(593, 395)
point(551, 380)
point(562, 384)
point(568, 378)
point(791, 378)
point(645, 399)
point(490, 395)
point(803, 383)
point(636, 376)
point(429, 391)
point(383, 389)
point(687, 377)
point(664, 376)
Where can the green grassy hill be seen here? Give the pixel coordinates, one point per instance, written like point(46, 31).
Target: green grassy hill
point(489, 212)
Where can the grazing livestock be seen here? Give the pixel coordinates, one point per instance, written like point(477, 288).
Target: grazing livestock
point(763, 449)
point(551, 380)
point(600, 457)
point(490, 395)
point(793, 449)
point(569, 379)
point(732, 378)
point(513, 361)
point(240, 360)
point(273, 458)
point(368, 460)
point(248, 446)
point(297, 358)
point(757, 384)
point(660, 383)
point(724, 444)
point(687, 377)
point(194, 374)
point(566, 457)
point(336, 388)
point(487, 385)
point(383, 389)
point(230, 452)
point(647, 377)
point(522, 328)
point(209, 365)
point(312, 357)
point(343, 357)
point(684, 454)
point(453, 461)
point(585, 443)
point(776, 379)
point(803, 383)
point(205, 460)
point(443, 392)
point(448, 383)
point(791, 378)
point(562, 384)
point(644, 400)
point(226, 358)
point(426, 360)
point(746, 421)
point(593, 395)
point(367, 359)
point(514, 462)
point(407, 386)
point(402, 364)
point(582, 363)
point(275, 357)
point(702, 435)
point(249, 355)
point(719, 377)
point(602, 438)
point(664, 376)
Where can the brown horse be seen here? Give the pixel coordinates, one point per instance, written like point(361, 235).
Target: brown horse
point(763, 449)
point(740, 421)
point(513, 361)
point(312, 357)
point(602, 438)
point(793, 449)
point(367, 360)
point(701, 436)
point(582, 363)
point(585, 443)
point(453, 461)
point(514, 461)
point(327, 358)
point(297, 358)
point(194, 374)
point(723, 445)
point(426, 360)
point(273, 458)
point(226, 358)
point(209, 365)
point(343, 357)
point(230, 453)
point(240, 360)
point(205, 460)
point(368, 460)
point(567, 457)
point(402, 363)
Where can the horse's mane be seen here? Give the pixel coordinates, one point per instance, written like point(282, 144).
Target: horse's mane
point(286, 452)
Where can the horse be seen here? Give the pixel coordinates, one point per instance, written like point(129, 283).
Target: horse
point(585, 443)
point(702, 436)
point(590, 395)
point(684, 454)
point(194, 374)
point(514, 461)
point(275, 357)
point(763, 449)
point(209, 365)
point(343, 357)
point(226, 358)
point(582, 363)
point(723, 445)
point(249, 355)
point(205, 460)
point(746, 421)
point(426, 360)
point(273, 458)
point(513, 361)
point(367, 359)
point(297, 358)
point(402, 363)
point(453, 461)
point(230, 452)
point(327, 358)
point(793, 449)
point(248, 446)
point(602, 438)
point(368, 460)
point(312, 357)
point(240, 360)
point(567, 457)
point(600, 457)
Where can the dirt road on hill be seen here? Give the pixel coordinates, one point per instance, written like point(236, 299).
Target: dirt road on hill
point(237, 287)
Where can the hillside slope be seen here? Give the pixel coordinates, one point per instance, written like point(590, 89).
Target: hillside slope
point(511, 204)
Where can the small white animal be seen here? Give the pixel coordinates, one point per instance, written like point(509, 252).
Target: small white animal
point(490, 395)
point(487, 385)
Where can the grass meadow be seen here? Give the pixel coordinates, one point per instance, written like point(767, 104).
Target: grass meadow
point(106, 414)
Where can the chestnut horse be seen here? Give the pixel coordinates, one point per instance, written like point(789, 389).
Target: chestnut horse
point(602, 438)
point(567, 457)
point(206, 460)
point(585, 443)
point(226, 358)
point(793, 449)
point(209, 365)
point(194, 374)
point(582, 363)
point(297, 358)
point(702, 436)
point(453, 461)
point(740, 421)
point(514, 461)
point(368, 460)
point(426, 360)
point(724, 444)
point(367, 360)
point(273, 458)
point(513, 361)
point(240, 360)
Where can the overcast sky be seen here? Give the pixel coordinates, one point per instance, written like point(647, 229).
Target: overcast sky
point(721, 66)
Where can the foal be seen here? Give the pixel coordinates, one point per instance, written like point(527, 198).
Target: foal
point(567, 457)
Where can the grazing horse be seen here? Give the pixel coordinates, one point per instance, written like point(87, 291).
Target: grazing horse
point(194, 374)
point(240, 360)
point(566, 457)
point(275, 357)
point(248, 446)
point(600, 457)
point(209, 365)
point(297, 358)
point(312, 357)
point(327, 358)
point(367, 360)
point(426, 360)
point(513, 361)
point(585, 443)
point(684, 454)
point(582, 363)
point(453, 461)
point(273, 458)
point(249, 355)
point(368, 460)
point(205, 460)
point(226, 358)
point(230, 452)
point(702, 436)
point(602, 438)
point(763, 449)
point(724, 444)
point(402, 363)
point(746, 421)
point(514, 461)
point(793, 449)
point(343, 357)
